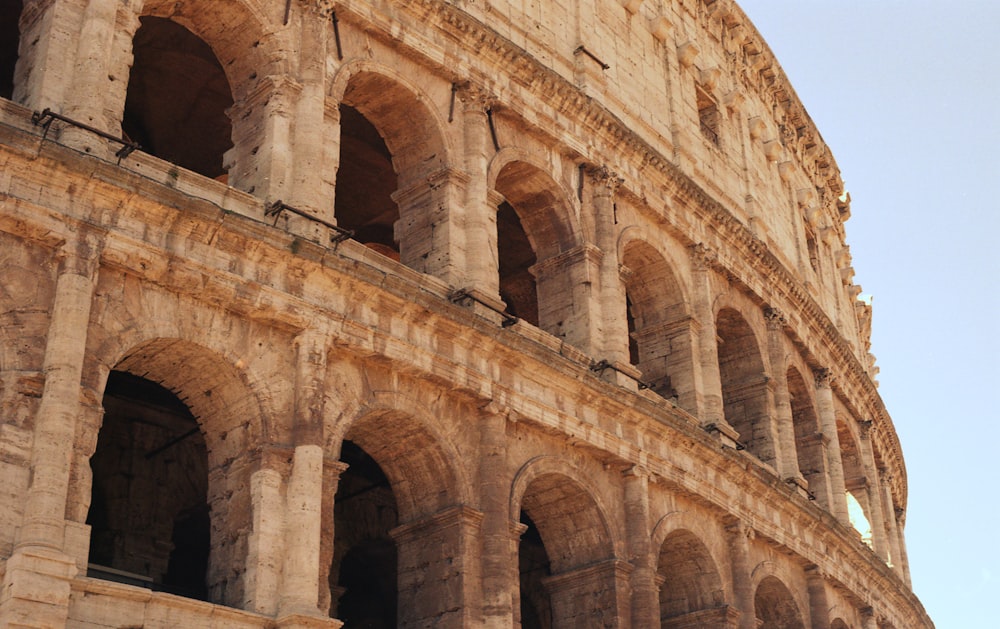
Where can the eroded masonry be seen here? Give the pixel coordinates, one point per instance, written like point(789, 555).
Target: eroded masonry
point(480, 313)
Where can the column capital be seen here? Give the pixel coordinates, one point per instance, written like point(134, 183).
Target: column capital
point(824, 378)
point(702, 256)
point(320, 8)
point(604, 179)
point(475, 98)
point(775, 318)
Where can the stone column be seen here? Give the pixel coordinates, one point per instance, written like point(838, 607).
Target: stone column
point(834, 462)
point(36, 583)
point(439, 567)
point(307, 191)
point(332, 469)
point(604, 184)
point(710, 409)
point(889, 513)
point(499, 564)
point(568, 302)
point(481, 267)
point(874, 489)
point(868, 619)
point(739, 560)
point(265, 543)
point(645, 591)
point(47, 47)
point(904, 561)
point(785, 460)
point(99, 82)
point(819, 607)
point(304, 494)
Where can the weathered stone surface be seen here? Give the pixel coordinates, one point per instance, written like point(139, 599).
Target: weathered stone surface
point(457, 314)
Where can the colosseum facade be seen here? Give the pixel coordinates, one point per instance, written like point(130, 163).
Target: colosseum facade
point(425, 313)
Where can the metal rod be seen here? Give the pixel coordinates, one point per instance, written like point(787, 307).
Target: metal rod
point(276, 208)
point(171, 443)
point(493, 129)
point(451, 107)
point(47, 116)
point(582, 49)
point(288, 10)
point(336, 35)
point(600, 366)
point(579, 183)
point(463, 294)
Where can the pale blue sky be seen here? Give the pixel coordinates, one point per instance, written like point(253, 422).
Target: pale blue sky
point(907, 95)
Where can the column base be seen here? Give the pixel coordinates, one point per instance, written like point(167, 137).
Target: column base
point(36, 588)
point(307, 621)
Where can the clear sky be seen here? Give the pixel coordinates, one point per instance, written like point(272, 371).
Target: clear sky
point(907, 95)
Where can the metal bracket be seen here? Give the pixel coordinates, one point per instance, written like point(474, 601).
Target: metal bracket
point(463, 295)
point(46, 117)
point(602, 365)
point(340, 234)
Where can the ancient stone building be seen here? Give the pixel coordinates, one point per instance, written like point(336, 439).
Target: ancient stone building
point(425, 313)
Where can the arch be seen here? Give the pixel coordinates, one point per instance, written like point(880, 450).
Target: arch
point(775, 606)
point(177, 99)
point(855, 482)
point(226, 414)
point(744, 383)
point(808, 436)
point(244, 43)
point(660, 343)
point(10, 15)
point(691, 581)
point(839, 623)
point(417, 459)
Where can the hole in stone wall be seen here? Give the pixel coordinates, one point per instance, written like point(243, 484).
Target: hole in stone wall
point(633, 344)
point(517, 284)
point(813, 250)
point(533, 567)
point(365, 183)
point(149, 513)
point(708, 115)
point(10, 13)
point(177, 98)
point(363, 576)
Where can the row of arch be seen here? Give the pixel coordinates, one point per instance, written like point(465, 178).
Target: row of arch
point(390, 142)
point(166, 503)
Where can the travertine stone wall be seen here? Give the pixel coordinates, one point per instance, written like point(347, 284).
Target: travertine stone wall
point(665, 435)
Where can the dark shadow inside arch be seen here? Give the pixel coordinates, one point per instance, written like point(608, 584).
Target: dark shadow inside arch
point(177, 98)
point(10, 14)
point(149, 514)
point(365, 183)
point(517, 284)
point(533, 566)
point(775, 607)
point(691, 593)
point(744, 385)
point(363, 576)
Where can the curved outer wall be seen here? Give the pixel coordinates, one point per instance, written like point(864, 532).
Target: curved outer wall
point(675, 420)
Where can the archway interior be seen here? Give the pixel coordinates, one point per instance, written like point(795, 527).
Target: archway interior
point(744, 387)
point(363, 576)
point(533, 566)
point(149, 513)
point(691, 581)
point(655, 304)
point(808, 439)
point(517, 284)
point(365, 184)
point(856, 484)
point(775, 607)
point(177, 98)
point(10, 14)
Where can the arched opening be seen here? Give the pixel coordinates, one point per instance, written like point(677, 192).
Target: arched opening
point(533, 567)
point(808, 437)
point(856, 483)
point(390, 152)
point(363, 577)
point(565, 555)
point(10, 15)
point(177, 98)
point(839, 624)
point(691, 594)
point(399, 553)
point(775, 607)
point(365, 184)
point(149, 513)
point(531, 230)
point(744, 385)
point(517, 284)
point(659, 343)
